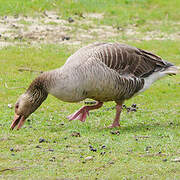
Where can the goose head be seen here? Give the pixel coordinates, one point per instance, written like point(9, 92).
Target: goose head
point(27, 104)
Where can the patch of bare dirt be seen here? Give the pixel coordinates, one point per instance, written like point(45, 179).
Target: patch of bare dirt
point(94, 15)
point(49, 27)
point(5, 44)
point(157, 35)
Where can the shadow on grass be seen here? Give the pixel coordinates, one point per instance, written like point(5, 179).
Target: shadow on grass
point(86, 128)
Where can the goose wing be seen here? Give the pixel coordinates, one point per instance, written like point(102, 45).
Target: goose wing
point(128, 60)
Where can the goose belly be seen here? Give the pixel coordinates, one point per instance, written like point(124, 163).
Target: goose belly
point(102, 89)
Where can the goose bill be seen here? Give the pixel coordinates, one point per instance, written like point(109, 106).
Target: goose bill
point(18, 121)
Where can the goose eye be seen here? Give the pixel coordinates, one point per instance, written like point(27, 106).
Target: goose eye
point(16, 106)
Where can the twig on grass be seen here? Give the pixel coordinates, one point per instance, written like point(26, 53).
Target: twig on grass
point(143, 137)
point(13, 87)
point(12, 169)
point(28, 69)
point(152, 155)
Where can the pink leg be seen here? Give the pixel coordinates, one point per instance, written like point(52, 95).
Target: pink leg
point(82, 113)
point(116, 120)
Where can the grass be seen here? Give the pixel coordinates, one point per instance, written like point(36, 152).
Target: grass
point(148, 139)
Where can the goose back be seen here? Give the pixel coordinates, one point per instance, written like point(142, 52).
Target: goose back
point(122, 58)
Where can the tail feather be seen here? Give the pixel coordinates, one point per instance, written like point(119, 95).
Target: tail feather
point(172, 70)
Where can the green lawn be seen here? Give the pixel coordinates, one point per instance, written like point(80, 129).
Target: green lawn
point(147, 141)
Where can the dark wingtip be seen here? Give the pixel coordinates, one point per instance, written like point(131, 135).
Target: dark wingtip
point(168, 64)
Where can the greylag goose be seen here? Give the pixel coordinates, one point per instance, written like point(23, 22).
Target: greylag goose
point(101, 71)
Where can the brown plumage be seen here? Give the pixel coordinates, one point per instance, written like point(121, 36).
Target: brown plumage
point(103, 72)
